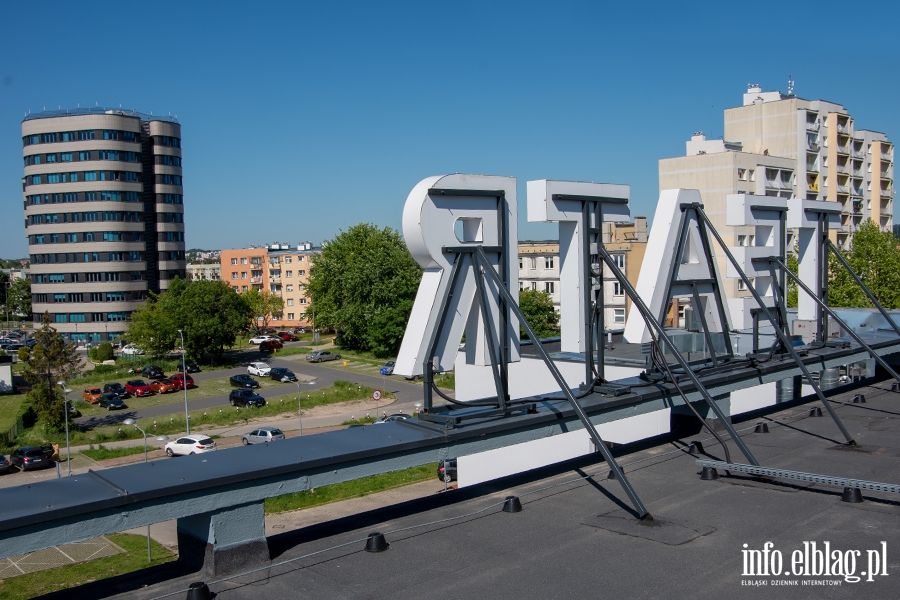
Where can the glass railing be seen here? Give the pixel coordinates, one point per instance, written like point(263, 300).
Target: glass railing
point(843, 150)
point(812, 126)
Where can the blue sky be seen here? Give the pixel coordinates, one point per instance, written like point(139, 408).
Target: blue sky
point(301, 119)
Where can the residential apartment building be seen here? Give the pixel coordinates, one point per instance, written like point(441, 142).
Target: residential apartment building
point(204, 272)
point(279, 268)
point(104, 215)
point(626, 242)
point(718, 168)
point(835, 160)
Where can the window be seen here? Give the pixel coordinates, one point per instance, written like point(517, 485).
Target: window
point(58, 278)
point(302, 300)
point(65, 157)
point(301, 273)
point(288, 273)
point(549, 287)
point(131, 176)
point(116, 316)
point(290, 288)
point(110, 134)
point(618, 290)
point(115, 296)
point(90, 175)
point(51, 158)
point(742, 174)
point(134, 255)
point(130, 156)
point(60, 318)
point(741, 285)
point(35, 179)
point(618, 315)
point(619, 260)
point(76, 318)
point(234, 274)
point(85, 155)
point(243, 261)
point(290, 316)
point(71, 237)
point(109, 155)
point(290, 301)
point(59, 297)
point(752, 175)
point(520, 263)
point(299, 259)
point(548, 262)
point(243, 274)
point(534, 285)
point(532, 263)
point(234, 261)
point(129, 136)
point(48, 138)
point(112, 276)
point(76, 297)
point(86, 135)
point(288, 260)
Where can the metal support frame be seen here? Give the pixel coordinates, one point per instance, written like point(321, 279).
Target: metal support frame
point(843, 482)
point(781, 335)
point(840, 322)
point(488, 271)
point(655, 324)
point(865, 288)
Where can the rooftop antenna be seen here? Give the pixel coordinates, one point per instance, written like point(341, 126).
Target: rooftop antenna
point(790, 84)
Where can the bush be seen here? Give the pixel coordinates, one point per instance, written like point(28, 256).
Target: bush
point(24, 353)
point(104, 352)
point(92, 353)
point(101, 369)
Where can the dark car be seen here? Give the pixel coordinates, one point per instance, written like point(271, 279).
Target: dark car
point(321, 356)
point(14, 347)
point(138, 387)
point(29, 457)
point(191, 367)
point(287, 337)
point(243, 381)
point(152, 372)
point(282, 374)
point(4, 464)
point(116, 388)
point(446, 470)
point(270, 345)
point(246, 398)
point(111, 401)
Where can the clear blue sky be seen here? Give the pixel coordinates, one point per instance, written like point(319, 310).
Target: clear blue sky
point(305, 119)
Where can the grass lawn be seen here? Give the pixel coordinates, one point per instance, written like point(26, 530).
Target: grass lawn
point(104, 373)
point(102, 453)
point(350, 489)
point(51, 580)
point(9, 410)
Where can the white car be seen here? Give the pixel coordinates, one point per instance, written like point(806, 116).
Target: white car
point(190, 444)
point(132, 349)
point(259, 369)
point(261, 338)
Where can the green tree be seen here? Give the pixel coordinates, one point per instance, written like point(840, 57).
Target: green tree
point(4, 279)
point(874, 256)
point(211, 314)
point(105, 352)
point(363, 284)
point(152, 328)
point(20, 297)
point(52, 360)
point(793, 266)
point(264, 306)
point(538, 309)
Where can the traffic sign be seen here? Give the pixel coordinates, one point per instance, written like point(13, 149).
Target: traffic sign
point(376, 395)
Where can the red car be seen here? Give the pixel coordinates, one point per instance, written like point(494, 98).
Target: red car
point(178, 380)
point(287, 337)
point(270, 345)
point(138, 387)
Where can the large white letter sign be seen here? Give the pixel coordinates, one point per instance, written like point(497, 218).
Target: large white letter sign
point(765, 213)
point(485, 208)
point(563, 202)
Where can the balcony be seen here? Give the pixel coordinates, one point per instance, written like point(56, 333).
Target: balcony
point(843, 169)
point(256, 280)
point(843, 149)
point(843, 128)
point(812, 126)
point(812, 146)
point(858, 153)
point(887, 156)
point(812, 168)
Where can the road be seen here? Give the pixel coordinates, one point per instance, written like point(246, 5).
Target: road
point(407, 393)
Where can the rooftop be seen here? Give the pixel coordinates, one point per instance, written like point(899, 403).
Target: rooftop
point(98, 110)
point(575, 535)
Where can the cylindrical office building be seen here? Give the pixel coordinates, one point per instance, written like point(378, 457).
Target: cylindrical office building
point(104, 215)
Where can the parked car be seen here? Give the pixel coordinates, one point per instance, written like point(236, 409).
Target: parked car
point(132, 350)
point(116, 388)
point(191, 367)
point(92, 395)
point(246, 398)
point(138, 387)
point(4, 464)
point(392, 418)
point(262, 435)
point(446, 470)
point(179, 380)
point(260, 339)
point(243, 381)
point(322, 356)
point(29, 457)
point(282, 374)
point(270, 345)
point(287, 337)
point(260, 369)
point(14, 347)
point(190, 444)
point(111, 401)
point(299, 330)
point(32, 343)
point(388, 368)
point(151, 372)
point(162, 386)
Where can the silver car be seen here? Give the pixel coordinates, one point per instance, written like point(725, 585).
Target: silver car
point(262, 435)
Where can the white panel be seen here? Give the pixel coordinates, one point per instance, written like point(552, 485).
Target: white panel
point(804, 214)
point(752, 398)
point(518, 458)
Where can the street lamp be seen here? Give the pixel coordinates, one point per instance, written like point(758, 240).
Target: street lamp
point(299, 408)
point(187, 422)
point(160, 438)
point(66, 390)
